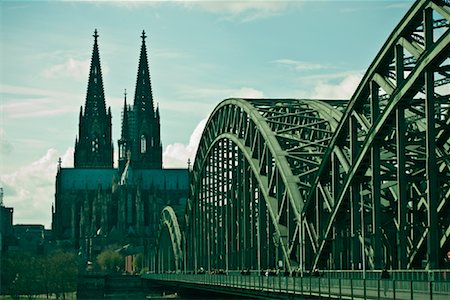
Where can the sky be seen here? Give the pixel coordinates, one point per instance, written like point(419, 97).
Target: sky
point(200, 53)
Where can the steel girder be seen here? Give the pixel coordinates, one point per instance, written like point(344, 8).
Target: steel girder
point(252, 172)
point(169, 255)
point(391, 206)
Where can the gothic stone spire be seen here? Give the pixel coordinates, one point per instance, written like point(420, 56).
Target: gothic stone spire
point(94, 147)
point(146, 150)
point(125, 138)
point(125, 135)
point(143, 99)
point(95, 97)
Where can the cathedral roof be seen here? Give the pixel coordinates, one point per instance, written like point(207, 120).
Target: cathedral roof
point(92, 179)
point(85, 179)
point(164, 179)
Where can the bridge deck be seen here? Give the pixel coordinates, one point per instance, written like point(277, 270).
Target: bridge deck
point(308, 287)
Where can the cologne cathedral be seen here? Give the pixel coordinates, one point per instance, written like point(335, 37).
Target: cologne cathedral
point(97, 205)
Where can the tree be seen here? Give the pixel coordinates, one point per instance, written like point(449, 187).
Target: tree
point(62, 268)
point(110, 260)
point(20, 275)
point(138, 262)
point(27, 274)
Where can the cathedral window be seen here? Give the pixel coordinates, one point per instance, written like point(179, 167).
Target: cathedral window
point(122, 151)
point(143, 144)
point(94, 145)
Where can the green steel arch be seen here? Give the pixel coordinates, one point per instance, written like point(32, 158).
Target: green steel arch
point(169, 255)
point(358, 184)
point(391, 207)
point(249, 181)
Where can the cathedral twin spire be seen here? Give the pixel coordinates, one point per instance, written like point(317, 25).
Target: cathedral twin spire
point(95, 97)
point(94, 148)
point(140, 134)
point(143, 99)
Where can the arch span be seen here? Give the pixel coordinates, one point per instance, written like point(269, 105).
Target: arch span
point(169, 249)
point(249, 181)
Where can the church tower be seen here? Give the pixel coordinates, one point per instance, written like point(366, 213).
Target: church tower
point(141, 125)
point(93, 148)
point(125, 140)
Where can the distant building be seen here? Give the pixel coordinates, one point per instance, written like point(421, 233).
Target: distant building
point(29, 238)
point(6, 227)
point(97, 205)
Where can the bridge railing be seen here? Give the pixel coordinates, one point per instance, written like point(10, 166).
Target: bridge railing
point(323, 286)
point(405, 275)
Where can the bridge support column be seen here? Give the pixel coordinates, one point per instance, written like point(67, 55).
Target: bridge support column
point(376, 184)
point(431, 173)
point(401, 188)
point(401, 166)
point(431, 167)
point(355, 201)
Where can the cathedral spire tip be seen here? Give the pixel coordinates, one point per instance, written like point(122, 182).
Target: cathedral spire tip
point(95, 35)
point(143, 36)
point(125, 101)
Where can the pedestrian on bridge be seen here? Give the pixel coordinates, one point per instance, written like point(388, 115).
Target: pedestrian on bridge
point(385, 278)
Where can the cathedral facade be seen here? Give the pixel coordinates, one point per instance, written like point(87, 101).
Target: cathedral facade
point(97, 205)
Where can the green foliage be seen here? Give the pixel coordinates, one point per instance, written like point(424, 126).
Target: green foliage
point(110, 260)
point(26, 274)
point(138, 262)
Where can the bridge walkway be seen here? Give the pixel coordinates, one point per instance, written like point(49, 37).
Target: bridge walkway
point(307, 287)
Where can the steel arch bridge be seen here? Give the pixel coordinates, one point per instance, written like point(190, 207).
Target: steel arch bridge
point(355, 184)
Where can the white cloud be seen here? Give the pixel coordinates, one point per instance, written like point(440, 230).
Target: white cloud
point(243, 10)
point(67, 158)
point(350, 9)
point(5, 145)
point(128, 4)
point(218, 93)
point(192, 107)
point(177, 155)
point(342, 90)
point(22, 90)
point(30, 190)
point(201, 101)
point(248, 93)
point(169, 53)
point(72, 68)
point(300, 65)
point(401, 5)
point(330, 76)
point(36, 102)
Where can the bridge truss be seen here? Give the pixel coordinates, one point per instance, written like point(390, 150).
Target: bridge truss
point(331, 184)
